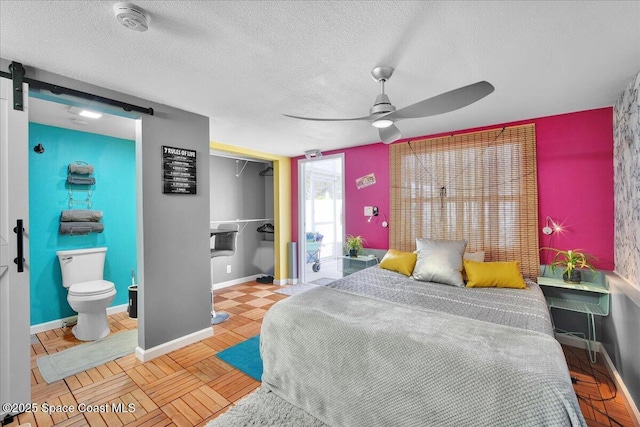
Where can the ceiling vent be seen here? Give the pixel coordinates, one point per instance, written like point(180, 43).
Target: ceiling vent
point(132, 16)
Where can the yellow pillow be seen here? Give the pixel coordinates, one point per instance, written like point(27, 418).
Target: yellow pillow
point(494, 274)
point(402, 262)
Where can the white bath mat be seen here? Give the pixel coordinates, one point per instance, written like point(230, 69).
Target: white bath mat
point(76, 359)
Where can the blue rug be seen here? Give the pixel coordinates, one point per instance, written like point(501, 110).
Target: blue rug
point(245, 357)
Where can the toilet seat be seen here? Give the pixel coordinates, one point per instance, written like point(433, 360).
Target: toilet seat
point(94, 287)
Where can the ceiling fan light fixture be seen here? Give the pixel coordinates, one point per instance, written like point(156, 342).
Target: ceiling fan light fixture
point(382, 123)
point(383, 115)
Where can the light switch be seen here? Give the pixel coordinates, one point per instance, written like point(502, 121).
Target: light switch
point(368, 211)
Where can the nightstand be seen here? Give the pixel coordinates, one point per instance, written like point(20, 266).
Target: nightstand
point(352, 264)
point(591, 297)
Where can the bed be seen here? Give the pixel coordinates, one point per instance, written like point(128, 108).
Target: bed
point(378, 348)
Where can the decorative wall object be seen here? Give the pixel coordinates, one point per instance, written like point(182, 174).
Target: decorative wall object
point(366, 181)
point(178, 171)
point(626, 159)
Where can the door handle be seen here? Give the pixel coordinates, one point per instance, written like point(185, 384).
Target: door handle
point(19, 230)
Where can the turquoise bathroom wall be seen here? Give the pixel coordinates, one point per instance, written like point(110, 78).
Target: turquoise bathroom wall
point(114, 193)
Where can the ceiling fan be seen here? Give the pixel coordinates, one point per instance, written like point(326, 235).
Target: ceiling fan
point(383, 114)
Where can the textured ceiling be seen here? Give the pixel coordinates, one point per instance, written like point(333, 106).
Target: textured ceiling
point(244, 63)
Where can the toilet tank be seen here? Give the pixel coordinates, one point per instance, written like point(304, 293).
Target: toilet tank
point(81, 265)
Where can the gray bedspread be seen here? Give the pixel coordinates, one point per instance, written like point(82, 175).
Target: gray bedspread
point(356, 360)
point(525, 309)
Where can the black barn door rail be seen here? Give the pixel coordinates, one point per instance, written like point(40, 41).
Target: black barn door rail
point(17, 75)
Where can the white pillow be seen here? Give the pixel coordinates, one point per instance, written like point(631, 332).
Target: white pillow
point(474, 256)
point(471, 256)
point(439, 261)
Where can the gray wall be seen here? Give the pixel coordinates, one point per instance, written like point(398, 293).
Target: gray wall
point(249, 196)
point(174, 236)
point(173, 231)
point(621, 333)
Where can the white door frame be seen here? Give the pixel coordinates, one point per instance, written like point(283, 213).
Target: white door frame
point(15, 358)
point(302, 206)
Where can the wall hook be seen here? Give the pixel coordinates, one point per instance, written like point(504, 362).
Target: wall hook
point(39, 149)
point(238, 170)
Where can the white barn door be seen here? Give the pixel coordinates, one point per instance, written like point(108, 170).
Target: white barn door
point(15, 365)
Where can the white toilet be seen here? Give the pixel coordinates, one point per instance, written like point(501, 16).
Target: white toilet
point(89, 295)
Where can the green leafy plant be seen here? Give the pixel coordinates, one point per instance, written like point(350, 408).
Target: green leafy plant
point(570, 260)
point(354, 244)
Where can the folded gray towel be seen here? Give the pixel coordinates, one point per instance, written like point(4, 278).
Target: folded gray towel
point(76, 228)
point(80, 215)
point(79, 179)
point(80, 169)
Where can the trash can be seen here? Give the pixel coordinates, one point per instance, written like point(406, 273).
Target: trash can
point(132, 309)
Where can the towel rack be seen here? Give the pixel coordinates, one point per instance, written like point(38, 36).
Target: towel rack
point(74, 185)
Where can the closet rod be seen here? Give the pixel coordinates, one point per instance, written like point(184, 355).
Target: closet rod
point(18, 74)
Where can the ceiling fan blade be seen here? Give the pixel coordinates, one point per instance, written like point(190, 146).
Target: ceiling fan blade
point(328, 120)
point(444, 103)
point(390, 134)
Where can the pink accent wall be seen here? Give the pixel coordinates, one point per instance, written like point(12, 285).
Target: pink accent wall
point(575, 184)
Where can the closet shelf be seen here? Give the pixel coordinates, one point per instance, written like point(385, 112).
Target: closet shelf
point(245, 222)
point(230, 221)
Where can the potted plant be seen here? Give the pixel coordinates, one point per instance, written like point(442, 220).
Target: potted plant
point(354, 244)
point(571, 261)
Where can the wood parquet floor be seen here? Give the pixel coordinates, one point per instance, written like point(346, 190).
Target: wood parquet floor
point(191, 386)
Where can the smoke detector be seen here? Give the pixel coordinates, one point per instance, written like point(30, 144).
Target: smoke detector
point(131, 16)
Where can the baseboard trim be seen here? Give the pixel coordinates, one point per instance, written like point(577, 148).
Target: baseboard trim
point(60, 323)
point(617, 379)
point(144, 355)
point(233, 282)
point(578, 342)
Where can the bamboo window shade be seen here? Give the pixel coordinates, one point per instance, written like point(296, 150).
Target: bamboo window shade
point(480, 186)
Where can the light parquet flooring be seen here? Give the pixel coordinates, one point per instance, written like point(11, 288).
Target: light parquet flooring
point(190, 386)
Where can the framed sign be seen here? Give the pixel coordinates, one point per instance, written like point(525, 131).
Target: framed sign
point(178, 170)
point(365, 181)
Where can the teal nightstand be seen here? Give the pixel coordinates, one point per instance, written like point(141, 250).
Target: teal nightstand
point(591, 297)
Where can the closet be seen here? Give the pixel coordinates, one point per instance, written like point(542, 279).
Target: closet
point(241, 199)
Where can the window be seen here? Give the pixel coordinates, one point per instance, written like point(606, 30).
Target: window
point(477, 186)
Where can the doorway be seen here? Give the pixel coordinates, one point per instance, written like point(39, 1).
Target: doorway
point(58, 138)
point(242, 196)
point(321, 220)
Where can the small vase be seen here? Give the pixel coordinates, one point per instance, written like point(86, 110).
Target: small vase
point(353, 253)
point(575, 277)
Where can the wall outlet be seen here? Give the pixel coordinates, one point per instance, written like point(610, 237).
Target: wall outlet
point(228, 268)
point(368, 211)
